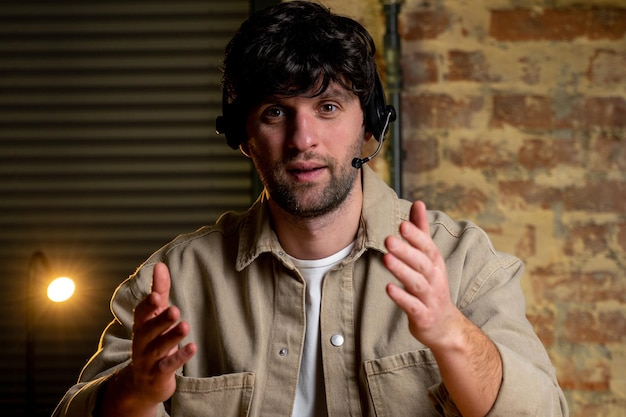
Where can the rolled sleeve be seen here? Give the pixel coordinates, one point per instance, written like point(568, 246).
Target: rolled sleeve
point(526, 390)
point(81, 400)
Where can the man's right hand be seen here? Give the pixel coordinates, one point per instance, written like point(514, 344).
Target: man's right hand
point(138, 389)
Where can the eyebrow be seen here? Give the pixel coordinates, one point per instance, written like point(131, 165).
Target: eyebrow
point(333, 91)
point(336, 91)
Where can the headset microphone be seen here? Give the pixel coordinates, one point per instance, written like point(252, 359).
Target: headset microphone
point(391, 116)
point(358, 162)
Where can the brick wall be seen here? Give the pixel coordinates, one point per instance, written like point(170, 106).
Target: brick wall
point(514, 115)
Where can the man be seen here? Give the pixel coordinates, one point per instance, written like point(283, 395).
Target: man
point(329, 296)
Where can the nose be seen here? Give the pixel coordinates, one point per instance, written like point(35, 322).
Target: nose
point(302, 132)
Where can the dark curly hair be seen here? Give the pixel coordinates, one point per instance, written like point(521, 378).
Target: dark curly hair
point(296, 48)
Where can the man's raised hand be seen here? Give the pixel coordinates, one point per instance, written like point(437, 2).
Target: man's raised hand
point(149, 380)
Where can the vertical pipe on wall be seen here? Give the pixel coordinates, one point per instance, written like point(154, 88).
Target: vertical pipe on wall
point(394, 88)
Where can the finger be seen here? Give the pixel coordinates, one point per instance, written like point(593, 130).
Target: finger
point(147, 309)
point(163, 344)
point(419, 217)
point(417, 231)
point(408, 257)
point(415, 236)
point(411, 305)
point(177, 359)
point(161, 281)
point(405, 273)
point(158, 300)
point(156, 326)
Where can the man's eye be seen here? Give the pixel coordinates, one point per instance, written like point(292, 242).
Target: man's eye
point(328, 108)
point(273, 112)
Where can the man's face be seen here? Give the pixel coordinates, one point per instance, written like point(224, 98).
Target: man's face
point(302, 148)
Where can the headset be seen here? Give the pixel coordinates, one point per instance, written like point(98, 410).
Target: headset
point(378, 116)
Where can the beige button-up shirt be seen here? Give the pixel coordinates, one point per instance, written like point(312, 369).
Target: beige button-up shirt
point(245, 303)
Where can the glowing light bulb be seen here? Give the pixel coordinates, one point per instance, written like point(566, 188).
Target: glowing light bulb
point(61, 289)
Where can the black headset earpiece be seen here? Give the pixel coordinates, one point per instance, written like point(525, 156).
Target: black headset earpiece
point(226, 124)
point(378, 116)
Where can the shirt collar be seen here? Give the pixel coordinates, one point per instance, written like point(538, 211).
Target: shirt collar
point(380, 214)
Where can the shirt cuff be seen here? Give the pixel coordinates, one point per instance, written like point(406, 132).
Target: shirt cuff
point(526, 389)
point(83, 402)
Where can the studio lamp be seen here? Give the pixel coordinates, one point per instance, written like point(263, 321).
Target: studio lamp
point(58, 290)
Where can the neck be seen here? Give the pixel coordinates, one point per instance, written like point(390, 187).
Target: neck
point(322, 236)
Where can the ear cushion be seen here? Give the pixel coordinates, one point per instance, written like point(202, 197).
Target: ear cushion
point(225, 124)
point(234, 136)
point(377, 111)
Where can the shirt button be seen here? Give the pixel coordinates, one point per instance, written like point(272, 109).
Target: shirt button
point(283, 352)
point(337, 340)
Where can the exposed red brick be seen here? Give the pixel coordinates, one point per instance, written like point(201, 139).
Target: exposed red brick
point(531, 70)
point(601, 286)
point(596, 196)
point(606, 23)
point(440, 111)
point(420, 68)
point(621, 236)
point(614, 325)
point(480, 154)
point(540, 112)
point(492, 229)
point(604, 327)
point(605, 111)
point(596, 405)
point(468, 66)
point(534, 112)
point(607, 67)
point(420, 25)
point(543, 323)
point(584, 374)
point(564, 24)
point(538, 153)
point(446, 197)
point(527, 245)
point(422, 154)
point(556, 284)
point(581, 326)
point(610, 150)
point(591, 238)
point(529, 192)
point(593, 196)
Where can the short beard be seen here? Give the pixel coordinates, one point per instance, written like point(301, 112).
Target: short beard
point(291, 197)
point(331, 197)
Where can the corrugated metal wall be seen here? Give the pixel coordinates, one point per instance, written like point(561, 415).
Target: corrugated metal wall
point(107, 150)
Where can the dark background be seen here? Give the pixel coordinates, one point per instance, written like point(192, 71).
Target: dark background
point(107, 151)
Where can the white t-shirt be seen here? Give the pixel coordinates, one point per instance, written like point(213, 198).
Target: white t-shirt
point(310, 396)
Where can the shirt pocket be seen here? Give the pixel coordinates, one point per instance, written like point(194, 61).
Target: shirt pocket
point(227, 395)
point(399, 384)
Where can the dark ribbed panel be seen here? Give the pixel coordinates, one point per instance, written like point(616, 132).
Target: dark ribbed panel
point(107, 151)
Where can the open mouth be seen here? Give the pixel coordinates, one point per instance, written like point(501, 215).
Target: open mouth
point(306, 173)
point(305, 170)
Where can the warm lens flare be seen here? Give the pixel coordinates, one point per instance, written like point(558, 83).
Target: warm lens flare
point(61, 289)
